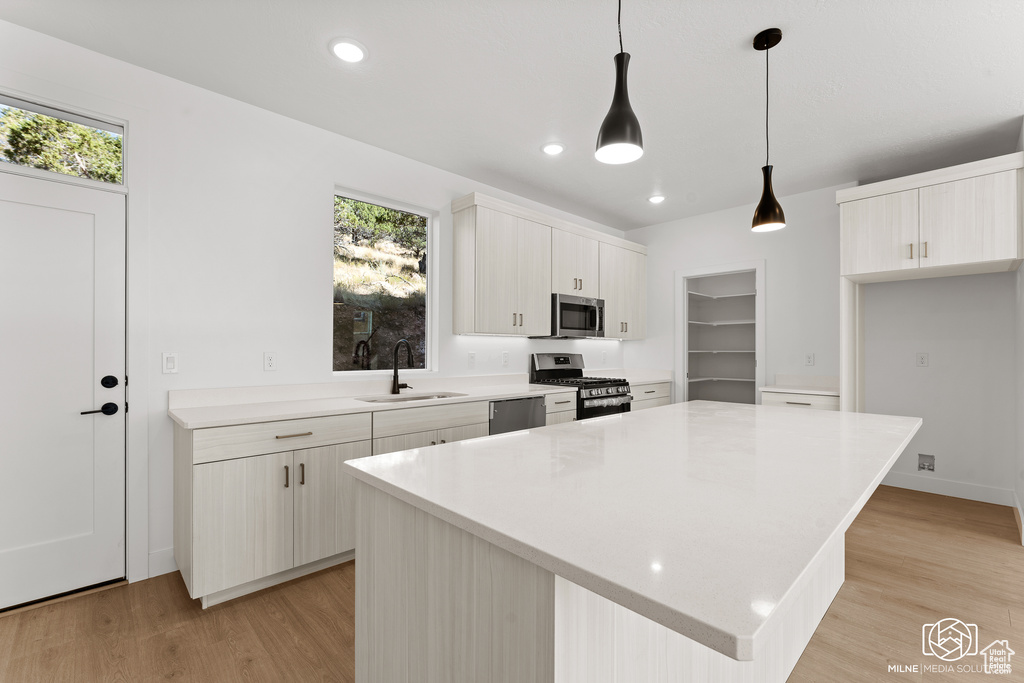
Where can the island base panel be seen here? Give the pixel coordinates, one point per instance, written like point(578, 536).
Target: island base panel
point(436, 603)
point(599, 641)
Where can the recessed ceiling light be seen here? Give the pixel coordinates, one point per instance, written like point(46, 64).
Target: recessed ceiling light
point(656, 199)
point(348, 50)
point(553, 148)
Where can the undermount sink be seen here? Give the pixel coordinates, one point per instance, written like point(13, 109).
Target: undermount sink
point(401, 398)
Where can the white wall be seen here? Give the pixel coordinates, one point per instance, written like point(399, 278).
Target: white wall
point(966, 395)
point(1019, 413)
point(230, 232)
point(801, 279)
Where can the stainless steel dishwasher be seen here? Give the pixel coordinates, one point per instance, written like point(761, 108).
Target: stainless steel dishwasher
point(514, 414)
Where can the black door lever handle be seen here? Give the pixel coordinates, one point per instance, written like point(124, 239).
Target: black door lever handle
point(107, 409)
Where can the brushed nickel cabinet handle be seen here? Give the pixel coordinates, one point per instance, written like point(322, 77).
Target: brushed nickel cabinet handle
point(925, 255)
point(649, 392)
point(575, 283)
point(302, 474)
point(513, 320)
point(558, 403)
point(443, 441)
point(911, 250)
point(581, 283)
point(520, 320)
point(292, 436)
point(286, 476)
point(796, 403)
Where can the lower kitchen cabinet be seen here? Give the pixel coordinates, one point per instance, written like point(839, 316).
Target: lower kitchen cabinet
point(431, 437)
point(324, 501)
point(243, 521)
point(559, 418)
point(651, 396)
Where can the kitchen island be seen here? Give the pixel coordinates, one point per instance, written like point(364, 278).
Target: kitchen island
point(697, 541)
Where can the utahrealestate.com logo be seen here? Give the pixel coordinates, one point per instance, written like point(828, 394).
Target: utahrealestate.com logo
point(951, 640)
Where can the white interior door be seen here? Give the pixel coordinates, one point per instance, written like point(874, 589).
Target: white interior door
point(62, 330)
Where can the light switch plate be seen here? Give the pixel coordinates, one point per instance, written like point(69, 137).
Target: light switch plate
point(169, 363)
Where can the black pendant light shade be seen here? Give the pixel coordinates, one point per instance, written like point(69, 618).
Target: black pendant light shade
point(768, 215)
point(619, 141)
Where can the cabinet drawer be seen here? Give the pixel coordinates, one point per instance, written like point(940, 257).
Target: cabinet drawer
point(558, 403)
point(238, 441)
point(559, 418)
point(408, 420)
point(649, 403)
point(815, 401)
point(646, 392)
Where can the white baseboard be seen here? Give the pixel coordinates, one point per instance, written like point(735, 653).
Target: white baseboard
point(947, 487)
point(162, 562)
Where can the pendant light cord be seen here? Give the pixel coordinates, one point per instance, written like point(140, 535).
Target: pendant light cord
point(766, 138)
point(620, 27)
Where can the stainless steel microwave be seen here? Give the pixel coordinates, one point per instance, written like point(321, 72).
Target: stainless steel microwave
point(576, 316)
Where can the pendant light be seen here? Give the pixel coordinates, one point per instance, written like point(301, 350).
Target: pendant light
point(619, 141)
point(768, 215)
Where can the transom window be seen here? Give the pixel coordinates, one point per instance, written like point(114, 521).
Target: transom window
point(52, 140)
point(380, 285)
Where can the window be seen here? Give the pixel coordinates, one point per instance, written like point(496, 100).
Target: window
point(380, 285)
point(52, 140)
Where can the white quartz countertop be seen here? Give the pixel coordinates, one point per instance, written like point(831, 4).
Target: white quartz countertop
point(237, 411)
point(700, 516)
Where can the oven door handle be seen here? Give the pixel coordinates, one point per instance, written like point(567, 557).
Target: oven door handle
point(605, 401)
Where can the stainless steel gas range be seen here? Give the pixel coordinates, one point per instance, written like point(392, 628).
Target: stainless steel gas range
point(595, 396)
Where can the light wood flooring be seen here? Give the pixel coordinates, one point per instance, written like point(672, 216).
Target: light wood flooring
point(911, 558)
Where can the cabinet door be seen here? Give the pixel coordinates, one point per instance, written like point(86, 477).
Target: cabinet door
point(402, 442)
point(879, 234)
point(970, 220)
point(575, 264)
point(497, 246)
point(565, 277)
point(559, 418)
point(533, 278)
point(324, 501)
point(452, 434)
point(635, 294)
point(612, 290)
point(242, 520)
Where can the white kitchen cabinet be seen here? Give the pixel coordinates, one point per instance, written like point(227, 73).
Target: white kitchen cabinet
point(651, 396)
point(950, 222)
point(243, 521)
point(508, 260)
point(560, 418)
point(502, 273)
point(249, 519)
point(399, 430)
point(970, 220)
point(324, 505)
point(430, 437)
point(560, 407)
point(879, 233)
point(575, 264)
point(624, 290)
point(798, 400)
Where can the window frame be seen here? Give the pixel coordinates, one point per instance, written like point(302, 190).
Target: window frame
point(45, 107)
point(430, 361)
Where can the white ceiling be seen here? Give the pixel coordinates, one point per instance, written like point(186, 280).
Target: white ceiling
point(861, 89)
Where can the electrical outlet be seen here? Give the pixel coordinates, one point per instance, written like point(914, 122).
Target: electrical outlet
point(169, 363)
point(269, 361)
point(808, 359)
point(504, 359)
point(925, 462)
point(471, 360)
point(922, 360)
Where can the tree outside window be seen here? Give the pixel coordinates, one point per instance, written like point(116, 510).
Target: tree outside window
point(380, 285)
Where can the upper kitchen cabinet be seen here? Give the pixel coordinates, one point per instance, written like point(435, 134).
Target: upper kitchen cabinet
point(575, 264)
point(956, 221)
point(508, 260)
point(502, 274)
point(624, 290)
